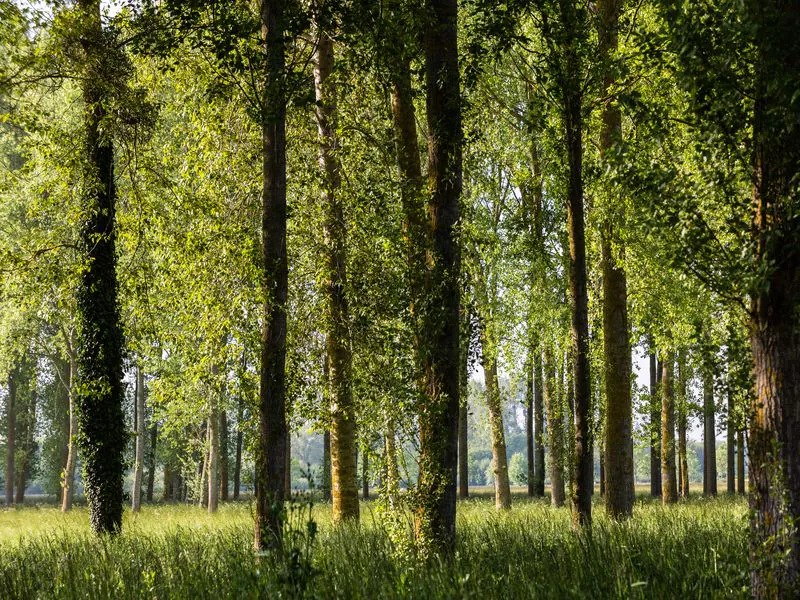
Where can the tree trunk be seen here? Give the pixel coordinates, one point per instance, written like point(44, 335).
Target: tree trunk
point(26, 428)
point(531, 446)
point(99, 397)
point(709, 435)
point(463, 452)
point(730, 426)
point(392, 471)
point(237, 461)
point(555, 424)
point(288, 472)
point(68, 484)
point(213, 458)
point(573, 120)
point(326, 466)
point(272, 434)
point(11, 434)
point(438, 418)
point(343, 421)
point(224, 459)
point(151, 461)
point(668, 483)
point(655, 427)
point(740, 454)
point(365, 473)
point(502, 487)
point(538, 421)
point(681, 409)
point(138, 466)
point(616, 345)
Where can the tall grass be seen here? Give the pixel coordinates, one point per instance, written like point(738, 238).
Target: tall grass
point(692, 550)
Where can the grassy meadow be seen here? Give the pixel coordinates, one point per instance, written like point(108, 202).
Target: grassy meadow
point(696, 549)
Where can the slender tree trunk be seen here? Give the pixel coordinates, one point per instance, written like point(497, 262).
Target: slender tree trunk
point(602, 471)
point(326, 466)
point(740, 454)
point(68, 484)
point(237, 461)
point(365, 473)
point(138, 467)
point(343, 424)
point(11, 434)
point(99, 399)
point(655, 425)
point(668, 483)
point(167, 495)
point(681, 409)
point(438, 419)
point(709, 435)
point(213, 458)
point(224, 459)
point(555, 437)
point(573, 119)
point(151, 461)
point(288, 471)
point(272, 433)
point(730, 427)
point(531, 446)
point(618, 448)
point(392, 484)
point(463, 452)
point(502, 487)
point(538, 421)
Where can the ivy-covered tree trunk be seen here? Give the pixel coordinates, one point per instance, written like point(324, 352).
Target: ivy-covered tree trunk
point(669, 485)
point(99, 348)
point(555, 433)
point(740, 454)
point(138, 466)
point(709, 435)
point(337, 321)
point(272, 431)
point(655, 427)
point(68, 482)
point(618, 451)
point(440, 349)
point(11, 434)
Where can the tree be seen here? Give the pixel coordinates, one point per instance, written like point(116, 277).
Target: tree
point(668, 481)
point(136, 491)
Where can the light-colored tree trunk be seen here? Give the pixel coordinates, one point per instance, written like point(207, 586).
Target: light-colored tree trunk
point(682, 417)
point(555, 433)
point(138, 466)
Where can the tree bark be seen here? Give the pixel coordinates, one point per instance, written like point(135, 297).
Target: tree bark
point(681, 409)
point(365, 473)
point(502, 487)
point(11, 434)
point(68, 484)
point(99, 399)
point(326, 466)
point(138, 467)
point(343, 420)
point(463, 452)
point(668, 483)
point(272, 434)
point(530, 444)
point(555, 425)
point(438, 418)
point(151, 461)
point(730, 426)
point(618, 448)
point(655, 427)
point(237, 461)
point(224, 459)
point(538, 421)
point(213, 458)
point(573, 121)
point(709, 435)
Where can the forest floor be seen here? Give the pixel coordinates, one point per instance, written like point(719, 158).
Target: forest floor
point(695, 549)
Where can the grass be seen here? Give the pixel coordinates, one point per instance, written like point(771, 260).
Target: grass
point(696, 549)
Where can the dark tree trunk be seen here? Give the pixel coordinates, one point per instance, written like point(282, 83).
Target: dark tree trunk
point(618, 450)
point(709, 435)
point(573, 120)
point(11, 433)
point(224, 459)
point(682, 417)
point(365, 473)
point(272, 431)
point(438, 419)
point(343, 421)
point(151, 461)
point(731, 450)
point(740, 454)
point(326, 466)
point(538, 421)
point(463, 452)
point(237, 460)
point(669, 485)
point(531, 446)
point(99, 397)
point(655, 427)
